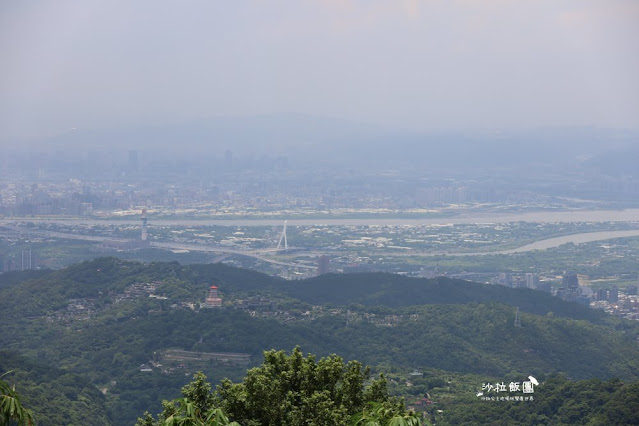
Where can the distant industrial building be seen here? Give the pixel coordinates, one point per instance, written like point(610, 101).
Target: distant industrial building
point(255, 304)
point(505, 279)
point(27, 260)
point(323, 265)
point(571, 291)
point(613, 294)
point(195, 359)
point(602, 294)
point(532, 280)
point(519, 282)
point(145, 224)
point(570, 281)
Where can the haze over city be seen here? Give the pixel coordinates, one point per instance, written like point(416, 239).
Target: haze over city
point(402, 66)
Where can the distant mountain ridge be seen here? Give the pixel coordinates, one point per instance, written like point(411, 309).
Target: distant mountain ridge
point(371, 289)
point(331, 140)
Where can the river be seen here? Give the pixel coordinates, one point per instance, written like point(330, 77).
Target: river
point(627, 215)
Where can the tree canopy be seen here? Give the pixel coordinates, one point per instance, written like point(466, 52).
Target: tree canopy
point(292, 390)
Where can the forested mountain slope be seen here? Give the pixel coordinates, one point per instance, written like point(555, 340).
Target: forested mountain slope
point(88, 279)
point(59, 397)
point(102, 320)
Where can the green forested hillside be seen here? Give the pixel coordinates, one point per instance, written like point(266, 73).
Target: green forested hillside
point(59, 397)
point(466, 338)
point(379, 289)
point(89, 279)
point(7, 279)
point(96, 320)
point(557, 401)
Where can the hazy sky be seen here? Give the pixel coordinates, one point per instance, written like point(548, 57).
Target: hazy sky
point(413, 64)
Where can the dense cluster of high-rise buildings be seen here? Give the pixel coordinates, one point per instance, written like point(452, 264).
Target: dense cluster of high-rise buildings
point(77, 183)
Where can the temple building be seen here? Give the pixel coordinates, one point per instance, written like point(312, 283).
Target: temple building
point(213, 299)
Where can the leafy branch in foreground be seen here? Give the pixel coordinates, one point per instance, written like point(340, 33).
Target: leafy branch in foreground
point(11, 409)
